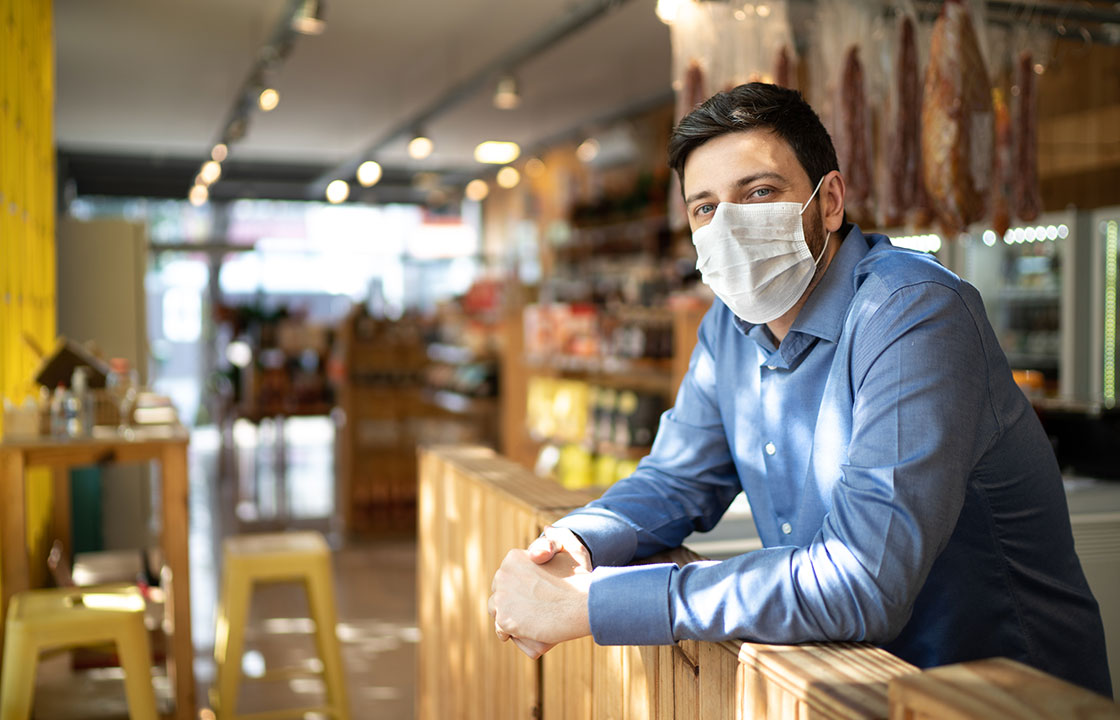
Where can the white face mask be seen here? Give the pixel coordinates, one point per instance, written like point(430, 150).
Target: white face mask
point(754, 257)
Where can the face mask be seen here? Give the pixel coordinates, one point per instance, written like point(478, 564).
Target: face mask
point(755, 259)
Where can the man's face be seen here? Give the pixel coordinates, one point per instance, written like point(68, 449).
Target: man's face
point(752, 166)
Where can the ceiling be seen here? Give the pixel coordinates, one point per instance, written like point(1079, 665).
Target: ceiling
point(143, 89)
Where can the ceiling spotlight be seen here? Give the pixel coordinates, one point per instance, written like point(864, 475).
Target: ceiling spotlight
point(667, 10)
point(477, 190)
point(534, 168)
point(210, 172)
point(369, 173)
point(198, 195)
point(763, 10)
point(588, 150)
point(420, 147)
point(338, 191)
point(508, 177)
point(308, 18)
point(269, 99)
point(506, 96)
point(219, 152)
point(495, 152)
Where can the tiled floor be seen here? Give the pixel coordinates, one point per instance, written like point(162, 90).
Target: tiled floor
point(375, 586)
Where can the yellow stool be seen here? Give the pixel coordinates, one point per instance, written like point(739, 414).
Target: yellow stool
point(269, 558)
point(69, 617)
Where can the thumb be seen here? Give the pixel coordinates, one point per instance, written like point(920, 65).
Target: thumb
point(543, 549)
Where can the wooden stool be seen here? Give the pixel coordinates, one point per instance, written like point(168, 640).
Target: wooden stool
point(68, 617)
point(270, 558)
point(992, 688)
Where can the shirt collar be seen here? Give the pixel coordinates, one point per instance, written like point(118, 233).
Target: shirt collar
point(824, 311)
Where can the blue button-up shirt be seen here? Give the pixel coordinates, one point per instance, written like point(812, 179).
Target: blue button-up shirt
point(903, 488)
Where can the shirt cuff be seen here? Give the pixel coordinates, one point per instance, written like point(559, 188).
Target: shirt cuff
point(630, 605)
point(610, 540)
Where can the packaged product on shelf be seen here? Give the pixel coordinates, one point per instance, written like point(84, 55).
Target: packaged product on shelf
point(604, 470)
point(574, 468)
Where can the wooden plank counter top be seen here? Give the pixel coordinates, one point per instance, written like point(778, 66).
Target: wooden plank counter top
point(475, 506)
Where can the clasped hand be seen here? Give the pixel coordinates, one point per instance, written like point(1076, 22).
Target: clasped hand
point(539, 596)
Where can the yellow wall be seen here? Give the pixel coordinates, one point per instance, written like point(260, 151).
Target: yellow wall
point(27, 218)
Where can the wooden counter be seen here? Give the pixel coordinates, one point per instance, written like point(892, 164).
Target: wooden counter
point(474, 506)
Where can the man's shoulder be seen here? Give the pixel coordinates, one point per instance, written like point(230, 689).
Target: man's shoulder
point(886, 269)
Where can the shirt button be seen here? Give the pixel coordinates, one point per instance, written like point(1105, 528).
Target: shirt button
point(771, 367)
point(787, 528)
point(770, 449)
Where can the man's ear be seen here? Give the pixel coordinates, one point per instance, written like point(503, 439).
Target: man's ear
point(832, 200)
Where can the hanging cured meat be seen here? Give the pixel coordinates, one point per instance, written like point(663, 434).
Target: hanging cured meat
point(1028, 200)
point(957, 127)
point(783, 69)
point(853, 146)
point(1003, 172)
point(694, 92)
point(904, 148)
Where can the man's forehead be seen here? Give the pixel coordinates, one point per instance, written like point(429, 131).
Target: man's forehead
point(730, 156)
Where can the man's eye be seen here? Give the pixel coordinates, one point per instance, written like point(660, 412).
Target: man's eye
point(761, 193)
point(704, 209)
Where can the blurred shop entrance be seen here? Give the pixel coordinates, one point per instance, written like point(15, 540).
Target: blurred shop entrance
point(243, 303)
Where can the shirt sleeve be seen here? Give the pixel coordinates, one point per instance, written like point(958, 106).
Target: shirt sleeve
point(685, 484)
point(920, 420)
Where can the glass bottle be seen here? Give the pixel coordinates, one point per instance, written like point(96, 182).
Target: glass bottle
point(122, 385)
point(78, 405)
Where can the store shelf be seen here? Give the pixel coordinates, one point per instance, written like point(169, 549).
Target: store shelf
point(1032, 361)
point(1031, 295)
point(460, 404)
point(636, 236)
point(650, 374)
point(456, 355)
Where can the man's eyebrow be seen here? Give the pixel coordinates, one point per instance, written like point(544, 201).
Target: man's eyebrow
point(745, 180)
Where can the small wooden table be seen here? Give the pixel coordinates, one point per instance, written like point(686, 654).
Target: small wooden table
point(167, 446)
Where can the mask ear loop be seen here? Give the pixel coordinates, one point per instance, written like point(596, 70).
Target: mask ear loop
point(818, 187)
point(817, 259)
point(824, 247)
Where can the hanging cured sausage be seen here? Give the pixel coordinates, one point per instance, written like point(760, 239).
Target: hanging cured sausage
point(1003, 172)
point(783, 69)
point(853, 147)
point(904, 148)
point(1028, 201)
point(957, 126)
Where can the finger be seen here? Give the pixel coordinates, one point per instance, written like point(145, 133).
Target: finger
point(532, 648)
point(502, 634)
point(543, 549)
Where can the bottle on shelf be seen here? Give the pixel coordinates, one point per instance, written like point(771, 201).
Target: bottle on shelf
point(79, 415)
point(122, 384)
point(59, 400)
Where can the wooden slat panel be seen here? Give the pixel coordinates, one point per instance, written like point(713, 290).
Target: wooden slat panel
point(994, 688)
point(834, 680)
point(474, 507)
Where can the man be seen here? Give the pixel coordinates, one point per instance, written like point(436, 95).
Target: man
point(903, 488)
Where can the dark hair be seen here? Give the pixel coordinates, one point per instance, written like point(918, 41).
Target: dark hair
point(757, 106)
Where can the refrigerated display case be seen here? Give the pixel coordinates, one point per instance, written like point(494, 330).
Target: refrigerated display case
point(1104, 226)
point(1025, 278)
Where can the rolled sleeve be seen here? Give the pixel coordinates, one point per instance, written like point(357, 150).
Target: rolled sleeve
point(609, 540)
point(630, 605)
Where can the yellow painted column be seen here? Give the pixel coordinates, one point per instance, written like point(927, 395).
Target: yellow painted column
point(27, 219)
